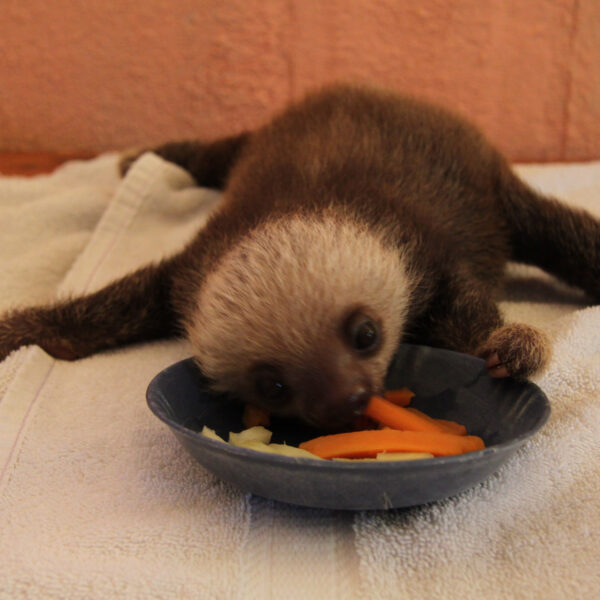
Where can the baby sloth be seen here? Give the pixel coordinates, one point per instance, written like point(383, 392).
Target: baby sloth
point(355, 220)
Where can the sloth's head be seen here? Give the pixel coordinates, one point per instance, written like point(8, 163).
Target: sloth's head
point(302, 318)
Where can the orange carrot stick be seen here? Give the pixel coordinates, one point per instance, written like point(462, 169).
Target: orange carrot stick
point(452, 426)
point(397, 417)
point(447, 426)
point(365, 444)
point(400, 397)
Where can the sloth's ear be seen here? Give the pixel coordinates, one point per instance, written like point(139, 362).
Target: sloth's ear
point(135, 308)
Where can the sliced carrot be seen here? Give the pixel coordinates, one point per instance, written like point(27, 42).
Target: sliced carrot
point(400, 397)
point(452, 426)
point(385, 412)
point(365, 444)
point(447, 426)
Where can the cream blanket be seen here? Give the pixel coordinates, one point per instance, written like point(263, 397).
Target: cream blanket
point(98, 500)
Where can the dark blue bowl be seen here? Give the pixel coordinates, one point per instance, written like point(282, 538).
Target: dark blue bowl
point(448, 385)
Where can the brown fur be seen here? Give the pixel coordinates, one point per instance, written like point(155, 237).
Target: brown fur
point(426, 181)
point(132, 309)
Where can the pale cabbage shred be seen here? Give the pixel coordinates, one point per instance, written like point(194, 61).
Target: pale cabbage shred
point(259, 438)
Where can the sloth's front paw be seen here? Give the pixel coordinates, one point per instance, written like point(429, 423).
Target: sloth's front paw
point(515, 350)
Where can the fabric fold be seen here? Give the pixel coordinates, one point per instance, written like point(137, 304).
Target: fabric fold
point(97, 499)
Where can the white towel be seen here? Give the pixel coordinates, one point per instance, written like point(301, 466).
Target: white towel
point(98, 500)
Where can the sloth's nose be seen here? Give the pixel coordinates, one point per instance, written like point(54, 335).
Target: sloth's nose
point(358, 399)
point(339, 409)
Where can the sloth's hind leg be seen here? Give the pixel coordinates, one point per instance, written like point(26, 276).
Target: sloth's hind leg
point(559, 239)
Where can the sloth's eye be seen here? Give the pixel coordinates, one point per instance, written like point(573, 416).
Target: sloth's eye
point(270, 385)
point(362, 333)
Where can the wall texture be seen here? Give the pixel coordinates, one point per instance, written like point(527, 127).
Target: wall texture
point(91, 75)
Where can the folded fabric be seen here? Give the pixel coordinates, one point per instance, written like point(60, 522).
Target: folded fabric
point(97, 498)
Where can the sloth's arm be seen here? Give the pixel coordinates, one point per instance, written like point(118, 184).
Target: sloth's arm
point(209, 163)
point(460, 316)
point(464, 317)
point(132, 309)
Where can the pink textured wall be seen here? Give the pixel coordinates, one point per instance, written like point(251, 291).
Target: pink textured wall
point(100, 74)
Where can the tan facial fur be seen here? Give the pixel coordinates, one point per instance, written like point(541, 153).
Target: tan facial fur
point(280, 296)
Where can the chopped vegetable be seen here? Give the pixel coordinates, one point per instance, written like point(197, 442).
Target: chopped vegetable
point(392, 456)
point(447, 426)
point(389, 457)
point(281, 449)
point(407, 434)
point(385, 412)
point(400, 397)
point(253, 434)
point(364, 444)
point(211, 434)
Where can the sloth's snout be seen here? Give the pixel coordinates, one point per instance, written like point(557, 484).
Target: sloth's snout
point(358, 399)
point(334, 388)
point(339, 407)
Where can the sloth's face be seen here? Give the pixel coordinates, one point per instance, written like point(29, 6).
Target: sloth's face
point(326, 383)
point(330, 385)
point(302, 318)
